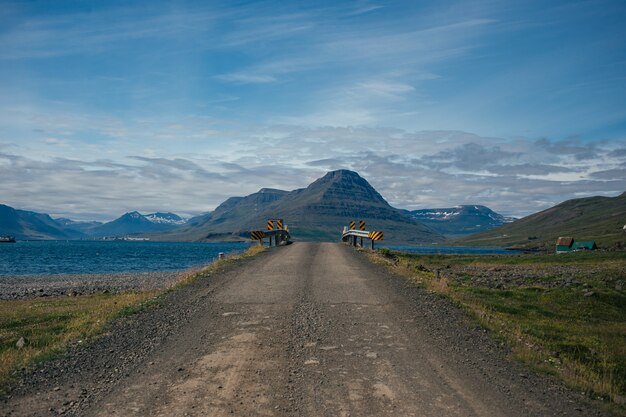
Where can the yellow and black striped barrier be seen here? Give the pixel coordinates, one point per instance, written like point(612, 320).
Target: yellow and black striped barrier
point(355, 237)
point(277, 233)
point(257, 235)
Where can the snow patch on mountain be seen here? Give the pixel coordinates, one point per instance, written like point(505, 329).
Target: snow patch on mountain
point(165, 218)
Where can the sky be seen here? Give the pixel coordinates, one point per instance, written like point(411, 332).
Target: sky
point(114, 106)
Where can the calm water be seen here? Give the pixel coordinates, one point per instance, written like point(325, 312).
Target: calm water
point(466, 250)
point(96, 257)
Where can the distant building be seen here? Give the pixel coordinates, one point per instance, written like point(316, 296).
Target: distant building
point(568, 244)
point(587, 245)
point(564, 244)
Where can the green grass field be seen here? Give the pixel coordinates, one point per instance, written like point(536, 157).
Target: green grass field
point(577, 332)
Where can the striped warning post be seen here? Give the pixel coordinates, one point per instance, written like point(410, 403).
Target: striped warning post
point(279, 224)
point(362, 225)
point(352, 225)
point(375, 235)
point(270, 224)
point(257, 235)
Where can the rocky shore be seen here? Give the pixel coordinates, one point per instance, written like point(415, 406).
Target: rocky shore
point(32, 286)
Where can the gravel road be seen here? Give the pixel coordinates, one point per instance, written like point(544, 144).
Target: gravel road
point(304, 330)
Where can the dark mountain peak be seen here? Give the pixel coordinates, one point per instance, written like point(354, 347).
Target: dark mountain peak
point(132, 215)
point(341, 175)
point(345, 185)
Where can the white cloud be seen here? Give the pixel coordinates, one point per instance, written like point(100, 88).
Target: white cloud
point(410, 169)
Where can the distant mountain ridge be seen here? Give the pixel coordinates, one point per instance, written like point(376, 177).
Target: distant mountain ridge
point(317, 212)
point(460, 220)
point(81, 226)
point(592, 218)
point(24, 225)
point(29, 225)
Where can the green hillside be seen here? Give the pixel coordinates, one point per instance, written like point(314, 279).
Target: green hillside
point(595, 218)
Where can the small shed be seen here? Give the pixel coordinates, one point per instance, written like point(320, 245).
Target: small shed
point(587, 245)
point(564, 244)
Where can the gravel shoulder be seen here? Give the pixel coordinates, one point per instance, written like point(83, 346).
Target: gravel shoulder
point(304, 330)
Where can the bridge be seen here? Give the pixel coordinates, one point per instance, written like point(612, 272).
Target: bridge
point(277, 231)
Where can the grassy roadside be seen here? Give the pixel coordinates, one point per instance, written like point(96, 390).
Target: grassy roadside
point(49, 325)
point(564, 315)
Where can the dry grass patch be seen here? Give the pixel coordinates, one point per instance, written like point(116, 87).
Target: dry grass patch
point(49, 324)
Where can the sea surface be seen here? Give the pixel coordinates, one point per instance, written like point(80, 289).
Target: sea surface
point(102, 257)
point(453, 250)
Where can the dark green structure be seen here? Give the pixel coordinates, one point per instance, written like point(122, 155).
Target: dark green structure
point(568, 244)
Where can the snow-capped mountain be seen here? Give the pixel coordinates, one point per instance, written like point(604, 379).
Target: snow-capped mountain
point(137, 223)
point(165, 218)
point(461, 220)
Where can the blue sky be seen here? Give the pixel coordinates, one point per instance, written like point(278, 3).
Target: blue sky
point(113, 106)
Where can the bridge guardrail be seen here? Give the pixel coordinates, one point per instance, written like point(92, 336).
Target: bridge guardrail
point(351, 234)
point(280, 234)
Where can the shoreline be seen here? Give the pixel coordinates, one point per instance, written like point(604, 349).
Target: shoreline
point(19, 287)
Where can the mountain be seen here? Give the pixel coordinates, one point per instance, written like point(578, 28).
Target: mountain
point(225, 222)
point(29, 225)
point(460, 220)
point(165, 218)
point(136, 223)
point(80, 226)
point(594, 218)
point(318, 212)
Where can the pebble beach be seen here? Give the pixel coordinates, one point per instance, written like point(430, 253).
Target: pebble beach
point(33, 286)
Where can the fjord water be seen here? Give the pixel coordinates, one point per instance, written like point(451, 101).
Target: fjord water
point(101, 257)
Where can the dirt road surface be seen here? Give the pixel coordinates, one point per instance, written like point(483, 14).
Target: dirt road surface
point(304, 330)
